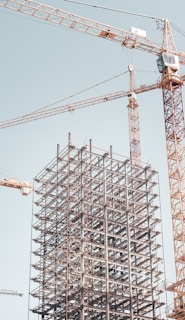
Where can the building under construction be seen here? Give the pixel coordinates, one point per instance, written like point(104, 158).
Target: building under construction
point(96, 238)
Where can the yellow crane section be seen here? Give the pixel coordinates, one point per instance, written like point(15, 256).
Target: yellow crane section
point(25, 187)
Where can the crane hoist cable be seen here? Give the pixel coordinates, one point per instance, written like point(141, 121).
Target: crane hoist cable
point(114, 10)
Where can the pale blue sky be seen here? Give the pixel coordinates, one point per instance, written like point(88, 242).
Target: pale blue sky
point(41, 64)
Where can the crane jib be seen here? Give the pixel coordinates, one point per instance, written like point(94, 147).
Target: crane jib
point(57, 16)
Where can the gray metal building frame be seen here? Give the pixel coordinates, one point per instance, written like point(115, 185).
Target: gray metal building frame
point(96, 238)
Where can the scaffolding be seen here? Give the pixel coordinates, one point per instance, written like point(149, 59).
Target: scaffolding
point(96, 227)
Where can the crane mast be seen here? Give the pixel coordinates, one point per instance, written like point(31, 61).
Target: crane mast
point(133, 120)
point(171, 83)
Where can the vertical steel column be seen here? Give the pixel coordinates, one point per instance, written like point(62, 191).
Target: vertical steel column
point(128, 239)
point(106, 236)
point(83, 222)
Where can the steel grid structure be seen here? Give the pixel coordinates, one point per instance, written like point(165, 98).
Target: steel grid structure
point(96, 254)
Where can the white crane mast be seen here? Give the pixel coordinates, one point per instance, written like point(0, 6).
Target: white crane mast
point(133, 120)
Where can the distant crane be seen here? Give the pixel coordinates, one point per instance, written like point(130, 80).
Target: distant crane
point(171, 84)
point(25, 187)
point(10, 292)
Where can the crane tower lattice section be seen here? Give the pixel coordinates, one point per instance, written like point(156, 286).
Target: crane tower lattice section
point(96, 253)
point(175, 142)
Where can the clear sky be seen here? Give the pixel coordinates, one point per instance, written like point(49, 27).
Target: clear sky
point(41, 64)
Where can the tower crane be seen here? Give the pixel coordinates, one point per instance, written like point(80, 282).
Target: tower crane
point(24, 187)
point(10, 292)
point(168, 63)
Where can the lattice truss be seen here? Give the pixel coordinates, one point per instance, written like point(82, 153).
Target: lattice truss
point(175, 142)
point(95, 253)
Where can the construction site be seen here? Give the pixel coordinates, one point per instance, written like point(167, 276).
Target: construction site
point(97, 224)
point(96, 231)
